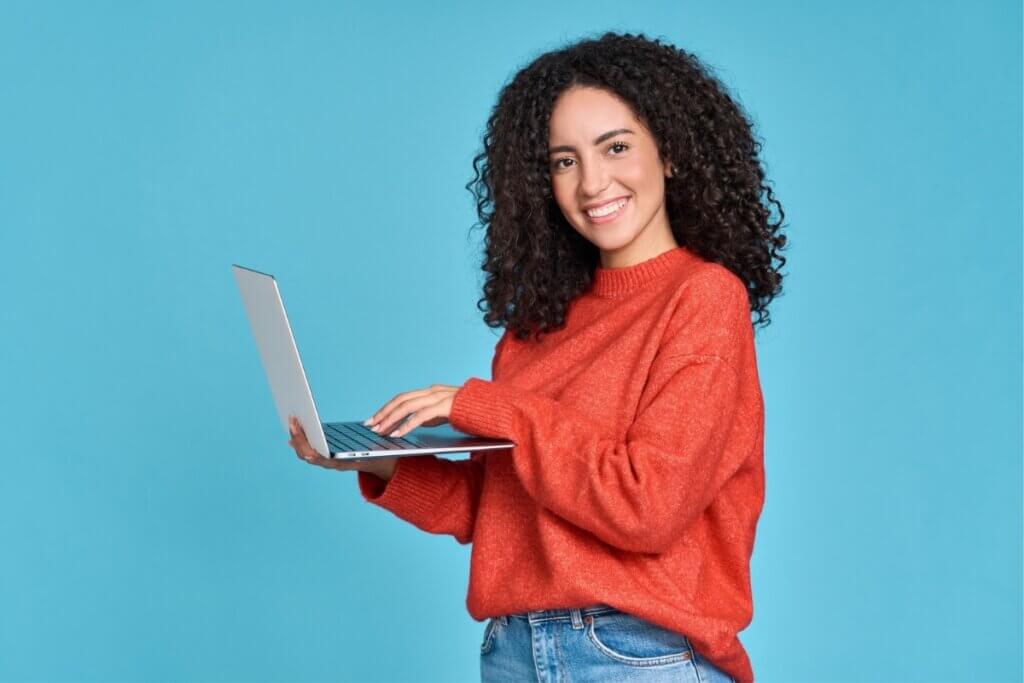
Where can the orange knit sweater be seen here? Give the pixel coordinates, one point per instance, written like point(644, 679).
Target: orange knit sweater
point(637, 478)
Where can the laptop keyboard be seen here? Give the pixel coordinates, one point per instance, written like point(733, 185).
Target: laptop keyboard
point(354, 436)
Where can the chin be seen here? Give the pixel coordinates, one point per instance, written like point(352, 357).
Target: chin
point(611, 240)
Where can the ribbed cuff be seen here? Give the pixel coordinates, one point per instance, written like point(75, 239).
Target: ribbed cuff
point(413, 492)
point(484, 408)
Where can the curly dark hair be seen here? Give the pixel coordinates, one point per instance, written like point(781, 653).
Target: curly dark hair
point(536, 263)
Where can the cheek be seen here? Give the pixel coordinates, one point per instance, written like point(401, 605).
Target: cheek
point(648, 188)
point(641, 177)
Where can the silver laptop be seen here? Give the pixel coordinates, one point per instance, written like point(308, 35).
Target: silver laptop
point(292, 396)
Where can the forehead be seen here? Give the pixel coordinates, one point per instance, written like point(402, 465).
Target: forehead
point(584, 112)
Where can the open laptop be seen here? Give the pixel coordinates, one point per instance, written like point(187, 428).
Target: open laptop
point(292, 396)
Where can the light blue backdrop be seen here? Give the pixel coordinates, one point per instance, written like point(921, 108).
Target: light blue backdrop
point(155, 526)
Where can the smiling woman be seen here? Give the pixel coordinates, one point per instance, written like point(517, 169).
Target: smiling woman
point(625, 252)
point(617, 118)
point(618, 178)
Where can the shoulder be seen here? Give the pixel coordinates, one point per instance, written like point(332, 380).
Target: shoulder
point(709, 314)
point(713, 289)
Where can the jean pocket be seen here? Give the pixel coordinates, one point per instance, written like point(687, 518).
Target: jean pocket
point(632, 640)
point(488, 640)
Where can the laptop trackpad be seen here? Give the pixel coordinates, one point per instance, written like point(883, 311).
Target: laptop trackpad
point(445, 436)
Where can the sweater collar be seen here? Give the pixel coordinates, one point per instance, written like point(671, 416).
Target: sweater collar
point(612, 282)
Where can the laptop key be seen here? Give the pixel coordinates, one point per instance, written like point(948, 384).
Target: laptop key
point(367, 439)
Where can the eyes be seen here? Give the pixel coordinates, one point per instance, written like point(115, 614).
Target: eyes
point(558, 166)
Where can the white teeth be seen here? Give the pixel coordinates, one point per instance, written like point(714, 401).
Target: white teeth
point(607, 209)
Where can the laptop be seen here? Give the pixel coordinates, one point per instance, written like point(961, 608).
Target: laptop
point(292, 395)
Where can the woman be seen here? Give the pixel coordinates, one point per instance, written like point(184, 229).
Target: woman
point(627, 243)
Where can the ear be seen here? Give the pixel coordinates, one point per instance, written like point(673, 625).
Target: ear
point(669, 169)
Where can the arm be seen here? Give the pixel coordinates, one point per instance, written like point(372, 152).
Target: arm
point(696, 423)
point(434, 494)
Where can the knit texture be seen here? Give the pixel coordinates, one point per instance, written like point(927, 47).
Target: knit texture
point(637, 477)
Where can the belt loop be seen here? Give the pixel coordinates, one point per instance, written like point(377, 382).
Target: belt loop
point(504, 620)
point(577, 618)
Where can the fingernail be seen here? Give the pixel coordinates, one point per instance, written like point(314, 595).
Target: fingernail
point(367, 421)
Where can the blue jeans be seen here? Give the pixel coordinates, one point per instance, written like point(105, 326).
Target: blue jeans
point(598, 643)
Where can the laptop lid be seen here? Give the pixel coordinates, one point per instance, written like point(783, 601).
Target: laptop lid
point(280, 356)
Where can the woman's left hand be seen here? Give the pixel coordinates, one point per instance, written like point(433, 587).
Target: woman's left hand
point(430, 407)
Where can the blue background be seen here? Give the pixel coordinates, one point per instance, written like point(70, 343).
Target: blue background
point(154, 525)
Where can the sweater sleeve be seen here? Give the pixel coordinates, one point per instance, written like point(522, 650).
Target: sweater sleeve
point(434, 494)
point(696, 422)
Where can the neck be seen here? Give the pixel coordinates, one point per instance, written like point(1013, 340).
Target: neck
point(656, 238)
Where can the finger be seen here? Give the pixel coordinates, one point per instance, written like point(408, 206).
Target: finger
point(410, 410)
point(314, 458)
point(302, 447)
point(296, 430)
point(299, 434)
point(300, 443)
point(433, 415)
point(332, 463)
point(438, 403)
point(388, 407)
point(396, 410)
point(300, 451)
point(421, 416)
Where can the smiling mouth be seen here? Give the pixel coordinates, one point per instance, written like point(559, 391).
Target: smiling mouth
point(607, 212)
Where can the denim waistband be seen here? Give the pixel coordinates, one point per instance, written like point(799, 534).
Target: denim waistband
point(563, 613)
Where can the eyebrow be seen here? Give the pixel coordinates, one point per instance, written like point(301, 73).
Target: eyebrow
point(600, 138)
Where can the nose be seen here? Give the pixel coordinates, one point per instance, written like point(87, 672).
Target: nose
point(593, 178)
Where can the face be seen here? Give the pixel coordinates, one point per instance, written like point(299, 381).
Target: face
point(607, 177)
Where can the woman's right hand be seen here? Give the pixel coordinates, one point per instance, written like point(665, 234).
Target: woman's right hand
point(382, 467)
